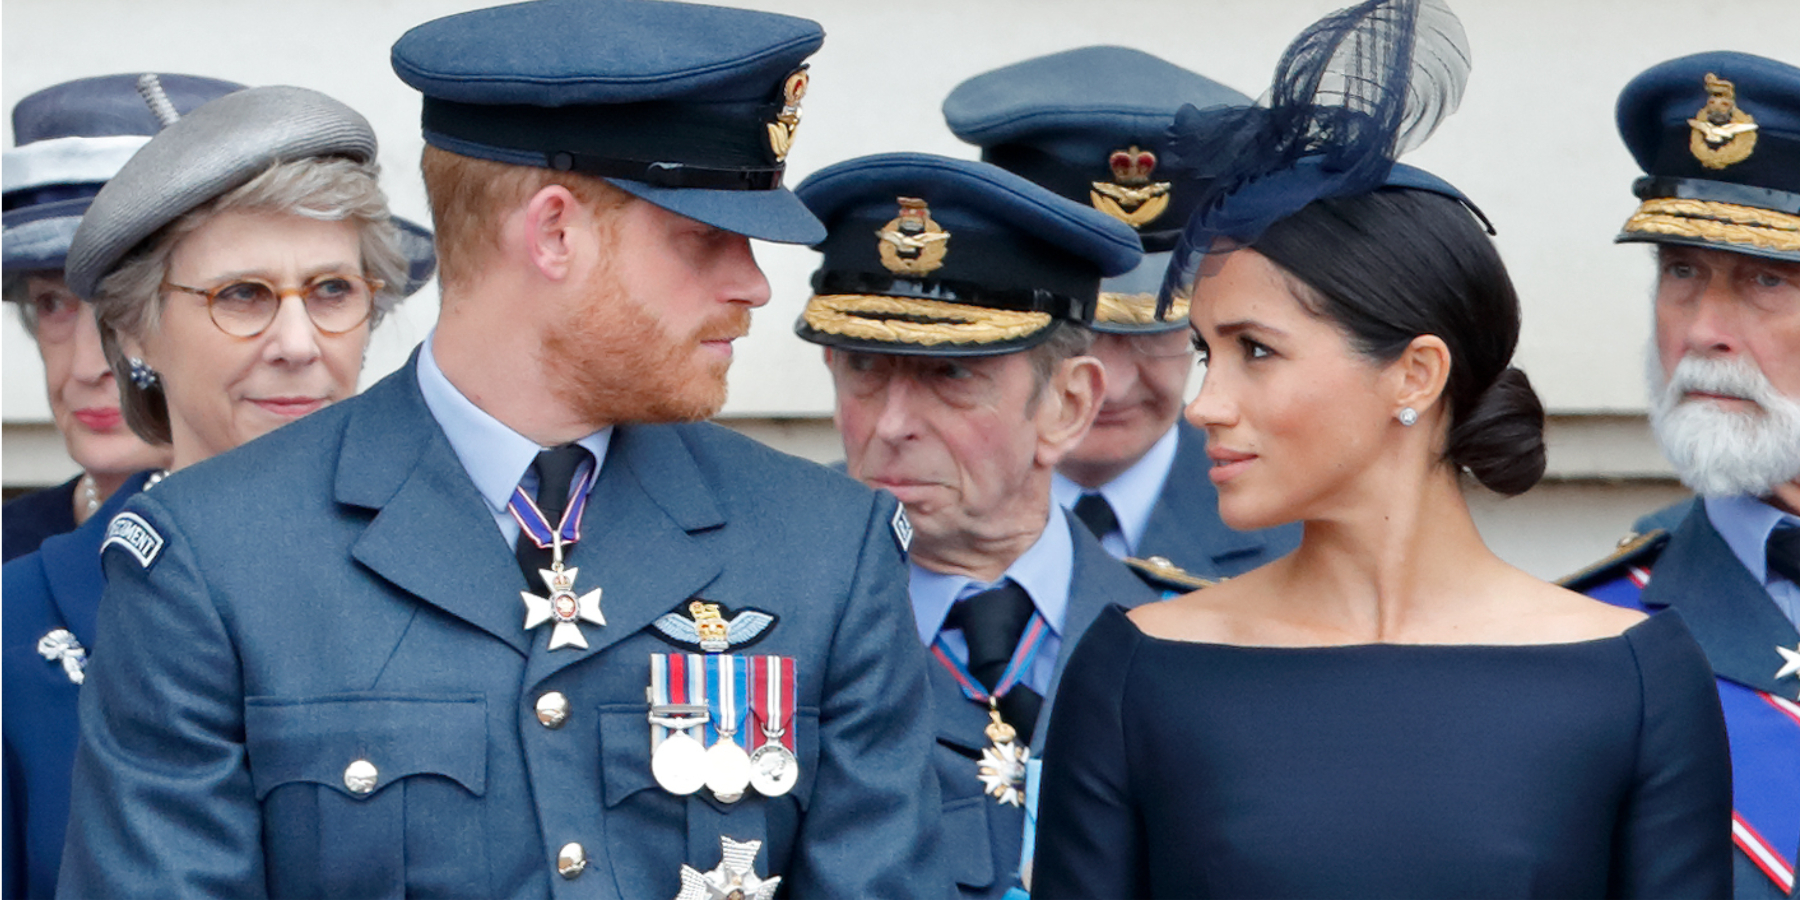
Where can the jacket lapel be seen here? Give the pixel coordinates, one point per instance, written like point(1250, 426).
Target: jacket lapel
point(1096, 582)
point(1726, 610)
point(643, 541)
point(432, 535)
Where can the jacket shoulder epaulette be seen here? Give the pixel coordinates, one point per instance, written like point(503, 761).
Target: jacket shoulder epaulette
point(1160, 573)
point(1633, 550)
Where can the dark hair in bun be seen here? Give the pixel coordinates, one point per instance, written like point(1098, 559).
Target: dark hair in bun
point(1394, 264)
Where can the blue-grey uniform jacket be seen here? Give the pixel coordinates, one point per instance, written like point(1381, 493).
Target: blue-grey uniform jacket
point(337, 591)
point(983, 838)
point(1185, 528)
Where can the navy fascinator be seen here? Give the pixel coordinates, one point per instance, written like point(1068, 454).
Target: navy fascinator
point(1352, 92)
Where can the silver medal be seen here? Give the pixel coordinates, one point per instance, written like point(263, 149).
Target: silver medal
point(773, 769)
point(679, 764)
point(727, 770)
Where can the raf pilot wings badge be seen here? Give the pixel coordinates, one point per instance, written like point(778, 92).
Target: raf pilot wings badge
point(711, 627)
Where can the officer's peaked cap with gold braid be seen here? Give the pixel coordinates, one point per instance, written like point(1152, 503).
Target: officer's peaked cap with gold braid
point(1092, 124)
point(1718, 138)
point(932, 256)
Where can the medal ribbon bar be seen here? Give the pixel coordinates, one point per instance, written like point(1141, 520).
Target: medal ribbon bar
point(772, 698)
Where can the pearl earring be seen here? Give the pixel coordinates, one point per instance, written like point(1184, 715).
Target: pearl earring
point(142, 375)
point(1408, 416)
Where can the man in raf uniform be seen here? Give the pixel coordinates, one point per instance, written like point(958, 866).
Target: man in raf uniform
point(952, 302)
point(1718, 137)
point(1092, 125)
point(495, 628)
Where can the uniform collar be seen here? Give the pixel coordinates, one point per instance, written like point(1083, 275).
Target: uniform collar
point(1745, 523)
point(1133, 494)
point(495, 456)
point(1044, 571)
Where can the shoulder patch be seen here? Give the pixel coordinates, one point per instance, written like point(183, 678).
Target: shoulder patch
point(130, 531)
point(903, 532)
point(1160, 573)
point(1633, 550)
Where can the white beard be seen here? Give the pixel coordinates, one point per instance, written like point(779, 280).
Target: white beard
point(1720, 452)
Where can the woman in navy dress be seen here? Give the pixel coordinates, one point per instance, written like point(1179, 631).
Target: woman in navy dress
point(1390, 710)
point(236, 266)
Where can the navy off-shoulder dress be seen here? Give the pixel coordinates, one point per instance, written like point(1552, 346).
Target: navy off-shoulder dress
point(1589, 769)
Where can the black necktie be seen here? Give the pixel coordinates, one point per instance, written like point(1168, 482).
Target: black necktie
point(992, 623)
point(555, 469)
point(1096, 514)
point(1784, 552)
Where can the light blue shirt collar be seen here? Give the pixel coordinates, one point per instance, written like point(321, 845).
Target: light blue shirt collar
point(1044, 571)
point(1745, 523)
point(1132, 495)
point(496, 457)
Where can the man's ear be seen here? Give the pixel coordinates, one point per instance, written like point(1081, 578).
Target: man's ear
point(1420, 374)
point(1066, 407)
point(549, 234)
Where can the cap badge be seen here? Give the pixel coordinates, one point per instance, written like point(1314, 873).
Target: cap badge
point(1131, 197)
point(912, 243)
point(1723, 134)
point(781, 131)
point(710, 630)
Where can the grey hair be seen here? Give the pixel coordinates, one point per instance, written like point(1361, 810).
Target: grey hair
point(129, 300)
point(12, 290)
point(1067, 340)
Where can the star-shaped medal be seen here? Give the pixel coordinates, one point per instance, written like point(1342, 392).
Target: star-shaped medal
point(1002, 766)
point(1790, 661)
point(734, 879)
point(563, 607)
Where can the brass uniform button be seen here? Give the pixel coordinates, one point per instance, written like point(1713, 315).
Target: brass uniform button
point(571, 861)
point(360, 776)
point(553, 710)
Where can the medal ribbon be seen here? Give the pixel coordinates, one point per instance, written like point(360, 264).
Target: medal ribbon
point(727, 680)
point(1023, 656)
point(772, 697)
point(659, 695)
point(532, 522)
point(1765, 732)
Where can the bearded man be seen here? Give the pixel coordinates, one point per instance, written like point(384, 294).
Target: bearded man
point(351, 660)
point(1718, 136)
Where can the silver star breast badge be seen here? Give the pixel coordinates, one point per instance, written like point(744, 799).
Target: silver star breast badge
point(1790, 661)
point(562, 607)
point(734, 879)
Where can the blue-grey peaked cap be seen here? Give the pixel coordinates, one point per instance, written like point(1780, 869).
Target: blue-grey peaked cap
point(674, 103)
point(204, 154)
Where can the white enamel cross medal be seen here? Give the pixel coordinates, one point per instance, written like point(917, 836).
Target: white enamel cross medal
point(563, 606)
point(1002, 766)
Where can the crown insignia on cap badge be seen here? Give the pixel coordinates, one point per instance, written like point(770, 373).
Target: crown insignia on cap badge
point(1131, 197)
point(1723, 134)
point(912, 243)
point(781, 131)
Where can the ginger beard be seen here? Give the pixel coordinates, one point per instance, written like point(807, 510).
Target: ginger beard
point(1718, 451)
point(612, 360)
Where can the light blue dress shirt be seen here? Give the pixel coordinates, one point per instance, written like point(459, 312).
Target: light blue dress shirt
point(1745, 523)
point(1132, 495)
point(496, 457)
point(1044, 571)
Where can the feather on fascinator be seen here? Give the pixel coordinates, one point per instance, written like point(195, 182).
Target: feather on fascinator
point(1352, 92)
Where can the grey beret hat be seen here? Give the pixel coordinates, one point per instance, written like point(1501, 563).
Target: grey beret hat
point(206, 153)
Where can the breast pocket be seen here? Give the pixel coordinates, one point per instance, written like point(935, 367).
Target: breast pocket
point(656, 832)
point(339, 776)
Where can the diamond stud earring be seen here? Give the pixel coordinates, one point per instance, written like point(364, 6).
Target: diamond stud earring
point(1408, 416)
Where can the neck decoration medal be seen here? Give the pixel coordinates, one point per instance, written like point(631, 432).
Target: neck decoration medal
point(773, 767)
point(1002, 765)
point(563, 606)
point(678, 706)
point(727, 765)
point(735, 877)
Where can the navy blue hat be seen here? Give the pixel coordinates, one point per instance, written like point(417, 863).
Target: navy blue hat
point(932, 256)
point(1718, 138)
point(692, 108)
point(1092, 124)
point(72, 137)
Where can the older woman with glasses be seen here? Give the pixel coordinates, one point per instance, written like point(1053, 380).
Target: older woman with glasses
point(236, 266)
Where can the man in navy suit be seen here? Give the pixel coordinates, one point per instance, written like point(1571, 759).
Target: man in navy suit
point(493, 628)
point(952, 301)
point(1718, 137)
point(1092, 125)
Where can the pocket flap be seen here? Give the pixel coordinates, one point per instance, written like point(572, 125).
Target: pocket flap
point(315, 739)
point(967, 846)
